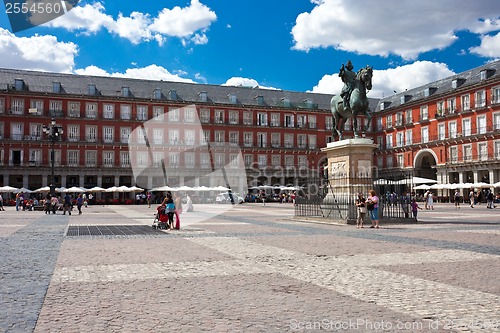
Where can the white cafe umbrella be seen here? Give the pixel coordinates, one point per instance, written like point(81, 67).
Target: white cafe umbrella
point(481, 185)
point(184, 188)
point(112, 189)
point(220, 188)
point(7, 189)
point(60, 189)
point(497, 184)
point(422, 187)
point(96, 189)
point(74, 189)
point(136, 189)
point(22, 190)
point(42, 189)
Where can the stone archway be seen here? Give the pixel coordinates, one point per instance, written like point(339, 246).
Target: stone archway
point(424, 164)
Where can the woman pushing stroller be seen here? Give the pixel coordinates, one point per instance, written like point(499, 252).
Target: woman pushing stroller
point(169, 209)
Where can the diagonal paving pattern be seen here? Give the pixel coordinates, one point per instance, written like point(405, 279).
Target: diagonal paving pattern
point(357, 276)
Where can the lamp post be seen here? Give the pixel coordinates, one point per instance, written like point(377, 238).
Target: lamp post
point(54, 133)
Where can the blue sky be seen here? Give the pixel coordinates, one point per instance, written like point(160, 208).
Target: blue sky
point(294, 45)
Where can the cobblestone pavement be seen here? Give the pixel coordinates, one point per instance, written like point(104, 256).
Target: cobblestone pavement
point(250, 269)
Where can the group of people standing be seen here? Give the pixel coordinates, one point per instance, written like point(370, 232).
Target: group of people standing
point(370, 206)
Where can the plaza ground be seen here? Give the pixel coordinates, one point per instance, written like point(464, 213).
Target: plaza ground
point(248, 268)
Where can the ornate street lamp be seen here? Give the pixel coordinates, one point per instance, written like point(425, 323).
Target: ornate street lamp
point(54, 133)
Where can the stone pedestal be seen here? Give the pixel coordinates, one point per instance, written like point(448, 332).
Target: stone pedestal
point(349, 172)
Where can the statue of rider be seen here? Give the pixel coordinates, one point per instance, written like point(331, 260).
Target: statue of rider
point(348, 77)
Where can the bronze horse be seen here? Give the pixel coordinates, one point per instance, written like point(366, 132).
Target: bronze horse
point(358, 104)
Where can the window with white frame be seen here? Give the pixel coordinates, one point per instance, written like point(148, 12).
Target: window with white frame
point(219, 137)
point(401, 160)
point(91, 158)
point(312, 141)
point(289, 161)
point(189, 137)
point(482, 149)
point(480, 99)
point(108, 134)
point(248, 139)
point(73, 158)
point(451, 105)
point(189, 115)
point(219, 160)
point(108, 159)
point(380, 126)
point(74, 109)
point(124, 159)
point(125, 134)
point(425, 134)
point(158, 136)
point(301, 141)
point(467, 149)
point(173, 159)
point(497, 149)
point(109, 111)
point(158, 158)
point(142, 134)
point(174, 115)
point(205, 160)
point(289, 140)
point(380, 143)
point(35, 132)
point(408, 116)
point(328, 123)
point(35, 157)
point(312, 121)
point(219, 116)
point(204, 136)
point(424, 112)
point(481, 124)
point(289, 120)
point(261, 119)
point(409, 137)
point(276, 160)
point(388, 121)
point(399, 118)
point(388, 141)
point(400, 139)
point(441, 131)
point(233, 117)
point(73, 133)
point(2, 105)
point(17, 131)
point(465, 100)
point(380, 162)
point(91, 133)
point(452, 129)
point(142, 112)
point(125, 112)
point(262, 140)
point(390, 161)
point(440, 108)
point(234, 138)
point(301, 120)
point(495, 95)
point(302, 161)
point(262, 160)
point(91, 110)
point(205, 116)
point(142, 158)
point(38, 105)
point(454, 154)
point(189, 160)
point(496, 121)
point(248, 160)
point(158, 113)
point(1, 130)
point(17, 106)
point(247, 118)
point(466, 127)
point(275, 140)
point(173, 136)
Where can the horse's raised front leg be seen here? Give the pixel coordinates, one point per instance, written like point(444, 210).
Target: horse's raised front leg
point(355, 126)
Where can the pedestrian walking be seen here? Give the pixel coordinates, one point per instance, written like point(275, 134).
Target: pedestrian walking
point(79, 204)
point(414, 208)
point(471, 198)
point(360, 204)
point(372, 203)
point(67, 204)
point(456, 199)
point(1, 202)
point(430, 200)
point(489, 199)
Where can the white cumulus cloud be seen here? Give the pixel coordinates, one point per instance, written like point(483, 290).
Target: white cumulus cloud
point(385, 82)
point(44, 53)
point(245, 82)
point(151, 72)
point(401, 27)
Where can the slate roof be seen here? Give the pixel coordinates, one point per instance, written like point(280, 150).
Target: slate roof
point(444, 86)
point(72, 84)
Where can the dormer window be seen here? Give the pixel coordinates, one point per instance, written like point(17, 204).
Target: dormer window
point(202, 96)
point(454, 84)
point(402, 99)
point(125, 92)
point(92, 90)
point(429, 91)
point(19, 84)
point(309, 103)
point(286, 101)
point(172, 95)
point(157, 93)
point(56, 87)
point(260, 100)
point(232, 98)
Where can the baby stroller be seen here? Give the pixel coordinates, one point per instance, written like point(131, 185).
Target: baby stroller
point(163, 219)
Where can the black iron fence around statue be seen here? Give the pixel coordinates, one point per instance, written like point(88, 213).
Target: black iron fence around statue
point(336, 197)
